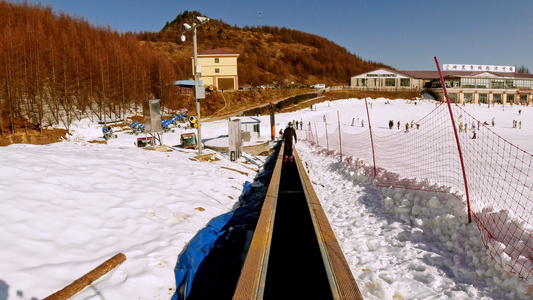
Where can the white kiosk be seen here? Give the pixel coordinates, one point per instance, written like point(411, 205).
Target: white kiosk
point(152, 120)
point(234, 139)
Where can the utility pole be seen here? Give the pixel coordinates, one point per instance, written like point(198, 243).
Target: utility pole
point(199, 91)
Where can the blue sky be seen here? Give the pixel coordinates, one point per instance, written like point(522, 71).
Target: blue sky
point(405, 34)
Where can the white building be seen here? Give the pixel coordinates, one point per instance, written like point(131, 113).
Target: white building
point(250, 126)
point(464, 83)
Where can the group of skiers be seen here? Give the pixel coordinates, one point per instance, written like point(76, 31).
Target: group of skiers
point(362, 122)
point(407, 125)
point(296, 123)
point(473, 129)
point(517, 124)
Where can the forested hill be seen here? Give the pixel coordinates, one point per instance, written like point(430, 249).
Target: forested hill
point(267, 53)
point(55, 69)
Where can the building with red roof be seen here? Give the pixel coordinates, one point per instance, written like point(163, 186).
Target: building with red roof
point(464, 83)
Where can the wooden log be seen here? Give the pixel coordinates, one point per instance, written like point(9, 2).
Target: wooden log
point(87, 279)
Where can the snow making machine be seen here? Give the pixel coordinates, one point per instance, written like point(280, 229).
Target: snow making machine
point(136, 128)
point(108, 133)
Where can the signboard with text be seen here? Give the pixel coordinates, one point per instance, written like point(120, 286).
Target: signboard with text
point(478, 68)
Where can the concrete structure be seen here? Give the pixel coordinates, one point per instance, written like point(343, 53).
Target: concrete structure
point(470, 86)
point(250, 126)
point(219, 69)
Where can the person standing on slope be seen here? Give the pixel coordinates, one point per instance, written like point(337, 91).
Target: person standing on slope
point(288, 135)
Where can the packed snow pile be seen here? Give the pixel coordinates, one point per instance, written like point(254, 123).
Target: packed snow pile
point(407, 244)
point(69, 206)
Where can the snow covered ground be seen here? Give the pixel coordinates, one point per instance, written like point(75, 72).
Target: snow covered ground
point(67, 207)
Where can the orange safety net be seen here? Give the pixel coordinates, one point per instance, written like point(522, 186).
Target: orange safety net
point(499, 175)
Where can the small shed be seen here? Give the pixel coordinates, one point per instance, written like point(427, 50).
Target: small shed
point(250, 127)
point(186, 86)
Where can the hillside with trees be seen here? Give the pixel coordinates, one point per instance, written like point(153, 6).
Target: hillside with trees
point(267, 53)
point(54, 69)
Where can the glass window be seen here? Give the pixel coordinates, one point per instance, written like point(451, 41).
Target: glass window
point(497, 98)
point(482, 83)
point(217, 70)
point(436, 84)
point(523, 98)
point(390, 82)
point(453, 97)
point(468, 82)
point(510, 98)
point(405, 82)
point(523, 83)
point(483, 98)
point(497, 84)
point(217, 60)
point(468, 98)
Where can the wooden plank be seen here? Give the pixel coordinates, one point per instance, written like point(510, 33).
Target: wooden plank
point(251, 281)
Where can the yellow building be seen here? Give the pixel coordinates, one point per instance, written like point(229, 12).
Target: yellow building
point(219, 69)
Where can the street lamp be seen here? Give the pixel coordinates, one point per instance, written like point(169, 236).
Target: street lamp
point(199, 91)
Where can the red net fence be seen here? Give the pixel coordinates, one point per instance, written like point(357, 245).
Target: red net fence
point(496, 184)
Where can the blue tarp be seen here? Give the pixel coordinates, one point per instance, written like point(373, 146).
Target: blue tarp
point(212, 261)
point(187, 83)
point(195, 253)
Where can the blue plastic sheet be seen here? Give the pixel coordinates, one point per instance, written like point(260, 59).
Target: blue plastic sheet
point(212, 261)
point(195, 253)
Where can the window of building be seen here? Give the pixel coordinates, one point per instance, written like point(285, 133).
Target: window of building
point(361, 82)
point(523, 98)
point(468, 82)
point(453, 97)
point(497, 98)
point(405, 82)
point(217, 70)
point(483, 98)
point(510, 98)
point(468, 98)
point(436, 84)
point(390, 82)
point(523, 83)
point(217, 60)
point(482, 83)
point(497, 84)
